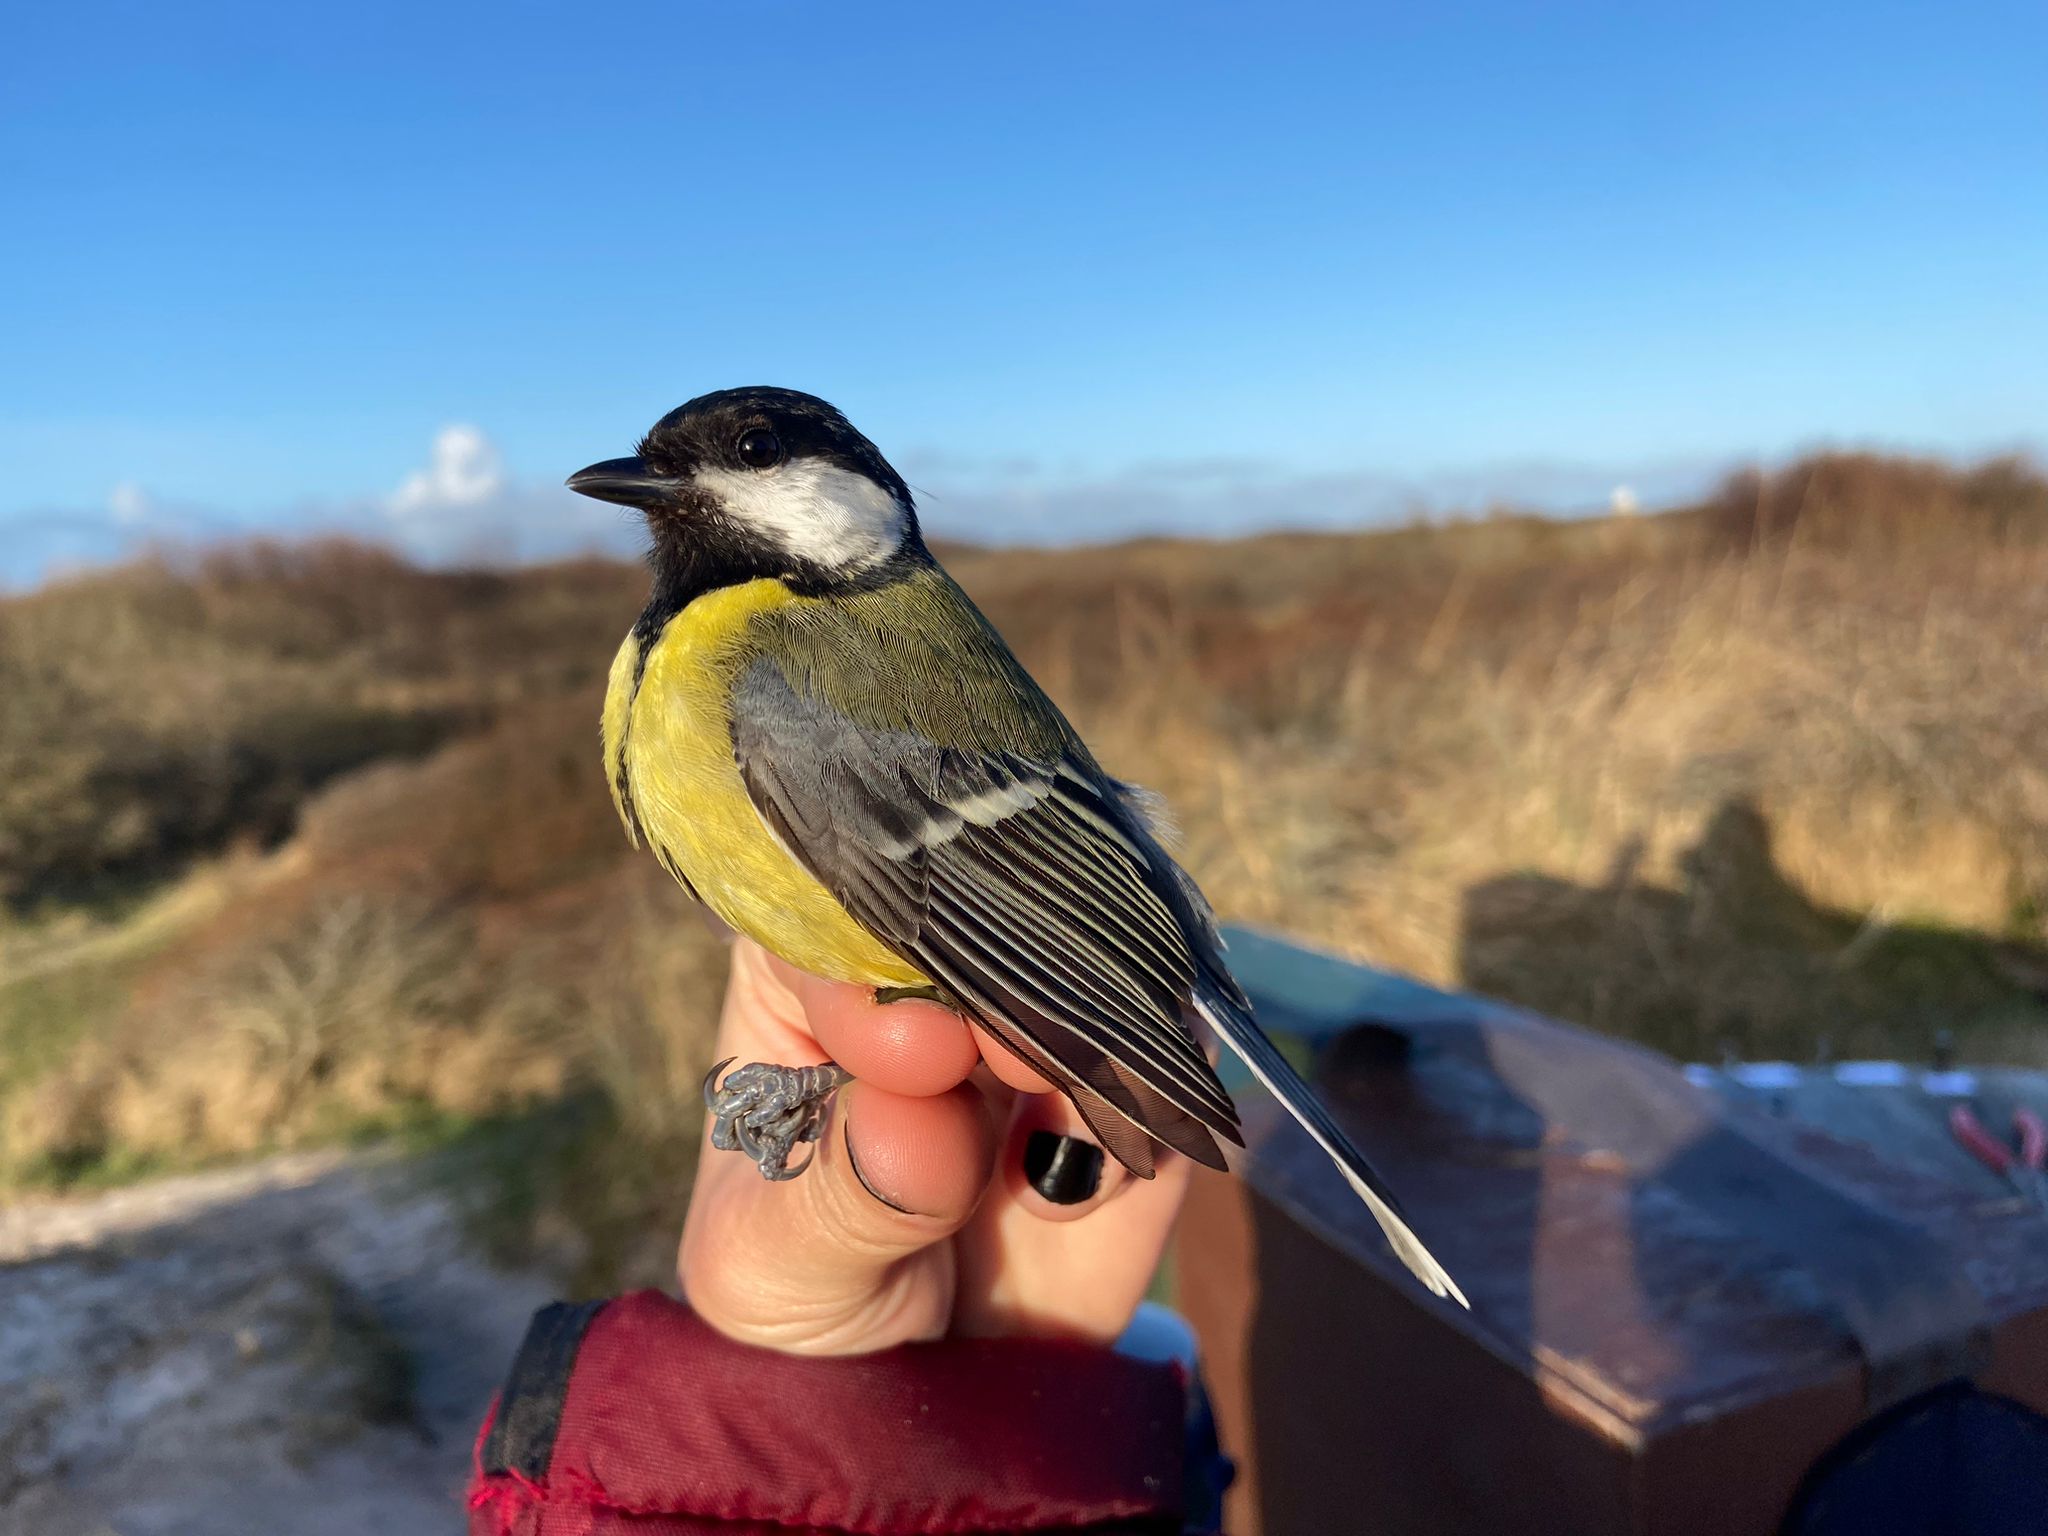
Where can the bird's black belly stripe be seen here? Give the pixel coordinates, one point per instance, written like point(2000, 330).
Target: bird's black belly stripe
point(626, 785)
point(646, 632)
point(668, 862)
point(620, 778)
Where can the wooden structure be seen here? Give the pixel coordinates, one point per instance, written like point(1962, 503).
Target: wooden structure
point(1682, 1299)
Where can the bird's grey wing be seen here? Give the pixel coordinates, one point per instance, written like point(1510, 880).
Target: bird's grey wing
point(1021, 883)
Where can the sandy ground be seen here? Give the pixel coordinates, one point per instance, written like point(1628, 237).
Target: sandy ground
point(305, 1345)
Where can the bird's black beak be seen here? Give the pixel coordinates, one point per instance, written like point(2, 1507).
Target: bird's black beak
point(629, 482)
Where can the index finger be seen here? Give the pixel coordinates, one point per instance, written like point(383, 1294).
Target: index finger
point(912, 1046)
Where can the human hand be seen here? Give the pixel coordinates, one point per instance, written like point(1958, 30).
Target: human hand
point(917, 1218)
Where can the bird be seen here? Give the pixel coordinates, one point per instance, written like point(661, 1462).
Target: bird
point(819, 735)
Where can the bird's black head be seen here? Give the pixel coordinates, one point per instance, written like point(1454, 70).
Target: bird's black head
point(757, 481)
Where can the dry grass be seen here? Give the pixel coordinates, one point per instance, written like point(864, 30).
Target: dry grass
point(1739, 778)
point(149, 713)
point(1765, 775)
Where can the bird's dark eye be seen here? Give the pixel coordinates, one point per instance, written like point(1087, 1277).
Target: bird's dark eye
point(760, 448)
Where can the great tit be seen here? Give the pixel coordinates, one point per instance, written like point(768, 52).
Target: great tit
point(818, 733)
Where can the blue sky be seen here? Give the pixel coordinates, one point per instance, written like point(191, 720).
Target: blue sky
point(1080, 269)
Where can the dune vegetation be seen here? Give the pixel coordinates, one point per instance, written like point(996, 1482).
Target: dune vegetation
point(301, 843)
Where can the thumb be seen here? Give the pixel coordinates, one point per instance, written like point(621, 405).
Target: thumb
point(853, 1255)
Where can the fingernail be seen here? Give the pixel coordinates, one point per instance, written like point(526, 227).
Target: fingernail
point(854, 1163)
point(1064, 1169)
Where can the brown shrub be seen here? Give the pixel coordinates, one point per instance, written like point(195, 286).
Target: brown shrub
point(157, 711)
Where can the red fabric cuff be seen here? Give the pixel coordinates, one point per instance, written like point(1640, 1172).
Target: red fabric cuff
point(666, 1426)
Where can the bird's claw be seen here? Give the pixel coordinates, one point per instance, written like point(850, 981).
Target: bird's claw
point(781, 1174)
point(764, 1110)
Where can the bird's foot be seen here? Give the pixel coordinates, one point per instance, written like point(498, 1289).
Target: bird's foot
point(764, 1110)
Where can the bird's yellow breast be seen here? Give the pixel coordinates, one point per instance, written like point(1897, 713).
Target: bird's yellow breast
point(669, 757)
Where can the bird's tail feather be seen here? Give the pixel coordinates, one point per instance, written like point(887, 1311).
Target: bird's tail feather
point(1243, 1035)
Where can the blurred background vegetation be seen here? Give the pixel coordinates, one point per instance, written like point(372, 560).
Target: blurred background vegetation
point(301, 844)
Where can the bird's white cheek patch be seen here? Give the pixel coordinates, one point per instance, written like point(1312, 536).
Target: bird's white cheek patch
point(820, 512)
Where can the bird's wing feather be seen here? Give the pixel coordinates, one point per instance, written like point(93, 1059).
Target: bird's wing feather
point(1020, 882)
point(984, 845)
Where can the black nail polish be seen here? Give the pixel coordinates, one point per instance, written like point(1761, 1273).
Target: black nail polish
point(1064, 1169)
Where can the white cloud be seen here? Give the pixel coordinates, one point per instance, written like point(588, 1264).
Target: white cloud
point(465, 470)
point(465, 507)
point(130, 505)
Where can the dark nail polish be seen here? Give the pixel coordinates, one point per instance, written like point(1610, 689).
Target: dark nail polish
point(854, 1163)
point(1064, 1169)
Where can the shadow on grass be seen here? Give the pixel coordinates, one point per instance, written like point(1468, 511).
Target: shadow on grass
point(156, 807)
point(1736, 960)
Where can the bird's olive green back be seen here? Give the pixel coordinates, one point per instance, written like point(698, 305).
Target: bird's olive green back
point(916, 656)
